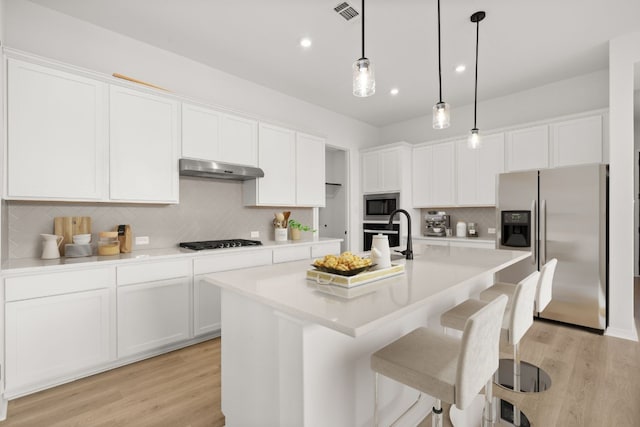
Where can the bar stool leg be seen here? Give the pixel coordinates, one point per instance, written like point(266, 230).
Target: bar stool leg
point(488, 415)
point(375, 400)
point(516, 380)
point(436, 414)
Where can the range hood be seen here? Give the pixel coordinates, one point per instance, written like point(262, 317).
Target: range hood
point(218, 170)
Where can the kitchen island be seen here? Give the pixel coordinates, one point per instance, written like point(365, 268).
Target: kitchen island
point(296, 353)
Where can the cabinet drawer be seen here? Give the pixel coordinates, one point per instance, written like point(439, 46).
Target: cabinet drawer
point(318, 251)
point(294, 253)
point(42, 285)
point(152, 272)
point(231, 261)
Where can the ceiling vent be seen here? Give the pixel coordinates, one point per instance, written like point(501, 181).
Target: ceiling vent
point(346, 11)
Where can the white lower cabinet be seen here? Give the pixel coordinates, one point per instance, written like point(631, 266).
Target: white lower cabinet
point(322, 249)
point(154, 306)
point(54, 334)
point(206, 306)
point(152, 315)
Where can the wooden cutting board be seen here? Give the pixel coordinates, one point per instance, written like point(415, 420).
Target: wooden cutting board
point(68, 226)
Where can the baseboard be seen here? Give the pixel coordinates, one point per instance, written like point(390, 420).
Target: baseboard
point(626, 334)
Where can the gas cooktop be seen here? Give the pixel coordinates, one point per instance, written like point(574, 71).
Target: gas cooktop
point(219, 244)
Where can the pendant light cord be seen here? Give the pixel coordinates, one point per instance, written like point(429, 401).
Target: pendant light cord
point(363, 29)
point(439, 59)
point(475, 99)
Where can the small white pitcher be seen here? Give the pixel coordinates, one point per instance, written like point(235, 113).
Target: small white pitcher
point(50, 245)
point(380, 252)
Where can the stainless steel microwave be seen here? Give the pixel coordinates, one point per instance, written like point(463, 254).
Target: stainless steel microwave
point(380, 206)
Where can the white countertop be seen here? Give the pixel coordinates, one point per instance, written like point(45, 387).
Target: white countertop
point(33, 265)
point(435, 270)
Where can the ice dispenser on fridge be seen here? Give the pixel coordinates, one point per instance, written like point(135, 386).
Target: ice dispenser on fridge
point(516, 231)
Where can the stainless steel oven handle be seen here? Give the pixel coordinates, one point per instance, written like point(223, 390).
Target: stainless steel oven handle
point(381, 231)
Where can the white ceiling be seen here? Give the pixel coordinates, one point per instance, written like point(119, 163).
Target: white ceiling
point(523, 44)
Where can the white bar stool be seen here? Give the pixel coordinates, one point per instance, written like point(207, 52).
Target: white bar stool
point(518, 318)
point(533, 379)
point(444, 367)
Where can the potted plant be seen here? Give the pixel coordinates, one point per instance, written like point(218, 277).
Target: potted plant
point(296, 228)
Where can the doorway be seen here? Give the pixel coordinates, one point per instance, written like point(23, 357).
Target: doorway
point(333, 218)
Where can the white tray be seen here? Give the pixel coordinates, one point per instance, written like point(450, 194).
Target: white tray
point(322, 278)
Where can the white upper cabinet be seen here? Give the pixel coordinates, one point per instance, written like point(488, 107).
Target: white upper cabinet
point(381, 170)
point(144, 147)
point(577, 141)
point(277, 158)
point(293, 165)
point(57, 134)
point(200, 132)
point(434, 175)
point(528, 148)
point(310, 170)
point(477, 170)
point(213, 135)
point(239, 140)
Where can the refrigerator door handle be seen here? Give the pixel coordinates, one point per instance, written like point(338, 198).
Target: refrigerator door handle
point(543, 232)
point(534, 240)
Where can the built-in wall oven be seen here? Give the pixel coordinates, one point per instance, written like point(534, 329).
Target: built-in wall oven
point(371, 229)
point(380, 206)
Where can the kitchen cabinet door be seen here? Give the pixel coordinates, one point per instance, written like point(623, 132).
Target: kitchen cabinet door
point(56, 134)
point(421, 176)
point(433, 175)
point(390, 170)
point(477, 170)
point(442, 173)
point(51, 339)
point(239, 140)
point(577, 141)
point(381, 171)
point(152, 315)
point(276, 157)
point(310, 170)
point(206, 306)
point(200, 132)
point(143, 147)
point(528, 148)
point(370, 164)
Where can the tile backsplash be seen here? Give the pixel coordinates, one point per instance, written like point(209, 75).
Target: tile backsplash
point(208, 210)
point(483, 217)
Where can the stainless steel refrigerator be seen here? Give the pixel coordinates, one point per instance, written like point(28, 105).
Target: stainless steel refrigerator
point(560, 213)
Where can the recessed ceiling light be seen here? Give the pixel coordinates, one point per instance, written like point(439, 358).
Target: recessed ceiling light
point(460, 68)
point(394, 91)
point(305, 42)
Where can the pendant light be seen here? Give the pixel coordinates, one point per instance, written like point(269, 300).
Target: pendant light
point(364, 83)
point(474, 136)
point(441, 116)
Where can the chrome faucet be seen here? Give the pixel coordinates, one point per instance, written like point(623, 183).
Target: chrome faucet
point(409, 251)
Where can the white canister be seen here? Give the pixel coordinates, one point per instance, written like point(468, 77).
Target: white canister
point(461, 229)
point(380, 252)
point(280, 234)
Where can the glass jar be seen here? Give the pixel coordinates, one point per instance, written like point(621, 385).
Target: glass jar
point(108, 244)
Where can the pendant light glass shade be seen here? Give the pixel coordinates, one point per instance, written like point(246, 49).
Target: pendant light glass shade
point(441, 116)
point(364, 82)
point(474, 140)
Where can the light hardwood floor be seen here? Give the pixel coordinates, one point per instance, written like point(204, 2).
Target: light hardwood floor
point(595, 382)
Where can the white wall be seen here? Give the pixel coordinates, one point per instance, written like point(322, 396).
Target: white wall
point(624, 53)
point(35, 29)
point(583, 93)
